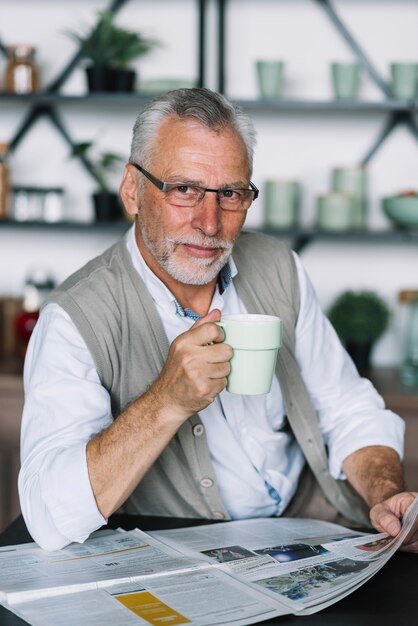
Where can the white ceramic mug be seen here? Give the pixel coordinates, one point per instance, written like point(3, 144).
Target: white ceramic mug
point(255, 340)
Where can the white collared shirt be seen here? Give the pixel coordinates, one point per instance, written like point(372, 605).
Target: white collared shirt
point(254, 456)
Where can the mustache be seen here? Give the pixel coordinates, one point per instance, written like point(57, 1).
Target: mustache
point(207, 242)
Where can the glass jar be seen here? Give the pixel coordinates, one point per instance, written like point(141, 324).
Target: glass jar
point(38, 204)
point(22, 74)
point(409, 366)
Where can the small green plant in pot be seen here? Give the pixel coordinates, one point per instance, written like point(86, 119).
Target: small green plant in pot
point(111, 50)
point(360, 319)
point(107, 204)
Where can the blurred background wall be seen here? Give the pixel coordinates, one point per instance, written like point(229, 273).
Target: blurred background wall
point(303, 145)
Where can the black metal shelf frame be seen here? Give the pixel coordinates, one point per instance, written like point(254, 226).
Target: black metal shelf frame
point(301, 238)
point(399, 113)
point(117, 227)
point(42, 103)
point(43, 98)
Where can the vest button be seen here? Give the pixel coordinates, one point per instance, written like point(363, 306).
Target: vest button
point(206, 482)
point(198, 430)
point(218, 515)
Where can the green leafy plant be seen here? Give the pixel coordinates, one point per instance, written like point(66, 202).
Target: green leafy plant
point(110, 45)
point(104, 163)
point(359, 317)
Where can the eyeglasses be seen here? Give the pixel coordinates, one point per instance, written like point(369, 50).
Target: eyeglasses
point(187, 195)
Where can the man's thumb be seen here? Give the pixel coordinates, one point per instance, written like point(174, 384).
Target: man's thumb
point(212, 316)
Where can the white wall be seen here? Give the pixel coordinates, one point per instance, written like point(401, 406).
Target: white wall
point(299, 145)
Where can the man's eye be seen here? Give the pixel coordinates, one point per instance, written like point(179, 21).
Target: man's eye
point(183, 189)
point(231, 194)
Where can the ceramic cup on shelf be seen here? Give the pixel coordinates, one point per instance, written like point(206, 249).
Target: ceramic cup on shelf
point(255, 340)
point(354, 181)
point(270, 78)
point(281, 203)
point(345, 80)
point(335, 211)
point(408, 299)
point(404, 80)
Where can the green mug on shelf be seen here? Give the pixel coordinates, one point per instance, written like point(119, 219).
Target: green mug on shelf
point(404, 77)
point(353, 181)
point(345, 80)
point(335, 211)
point(270, 78)
point(281, 203)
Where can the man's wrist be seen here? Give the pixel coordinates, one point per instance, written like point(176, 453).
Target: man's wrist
point(381, 491)
point(164, 411)
point(375, 472)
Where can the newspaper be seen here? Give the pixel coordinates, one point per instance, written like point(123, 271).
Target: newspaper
point(235, 573)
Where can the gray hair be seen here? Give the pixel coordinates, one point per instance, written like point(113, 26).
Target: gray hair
point(209, 108)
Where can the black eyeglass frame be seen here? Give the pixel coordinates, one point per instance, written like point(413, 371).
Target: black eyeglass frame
point(164, 186)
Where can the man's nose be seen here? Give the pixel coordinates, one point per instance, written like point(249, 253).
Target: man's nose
point(207, 214)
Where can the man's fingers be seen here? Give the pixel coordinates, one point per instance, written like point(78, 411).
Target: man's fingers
point(206, 330)
point(218, 370)
point(217, 353)
point(385, 521)
point(198, 365)
point(387, 516)
point(203, 335)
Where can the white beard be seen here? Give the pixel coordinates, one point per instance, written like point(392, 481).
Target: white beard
point(192, 271)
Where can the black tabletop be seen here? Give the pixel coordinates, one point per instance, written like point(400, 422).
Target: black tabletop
point(388, 599)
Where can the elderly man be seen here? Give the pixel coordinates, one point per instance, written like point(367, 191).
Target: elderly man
point(126, 371)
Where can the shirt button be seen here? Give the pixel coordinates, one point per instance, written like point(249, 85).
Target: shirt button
point(218, 515)
point(198, 430)
point(206, 482)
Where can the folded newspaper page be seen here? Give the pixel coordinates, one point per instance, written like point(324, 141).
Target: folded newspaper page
point(237, 573)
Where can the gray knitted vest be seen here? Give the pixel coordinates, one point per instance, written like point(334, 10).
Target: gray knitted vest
point(118, 321)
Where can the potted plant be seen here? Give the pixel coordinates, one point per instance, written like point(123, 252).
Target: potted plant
point(111, 50)
point(107, 204)
point(359, 318)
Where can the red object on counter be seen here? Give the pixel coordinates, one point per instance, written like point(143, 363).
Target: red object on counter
point(24, 324)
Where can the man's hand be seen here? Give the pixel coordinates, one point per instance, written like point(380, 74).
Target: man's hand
point(376, 474)
point(196, 368)
point(387, 516)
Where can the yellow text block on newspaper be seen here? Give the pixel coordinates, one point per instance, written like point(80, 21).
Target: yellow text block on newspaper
point(151, 609)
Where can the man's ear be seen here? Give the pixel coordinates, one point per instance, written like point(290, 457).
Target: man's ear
point(128, 190)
